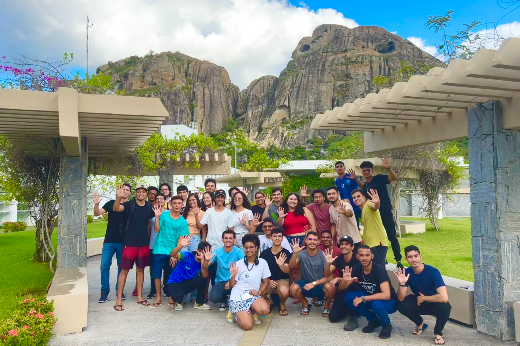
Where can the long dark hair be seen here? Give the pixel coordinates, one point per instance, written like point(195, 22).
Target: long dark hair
point(188, 208)
point(299, 208)
point(246, 204)
point(212, 195)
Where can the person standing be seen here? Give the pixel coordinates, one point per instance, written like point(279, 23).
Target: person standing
point(374, 234)
point(295, 219)
point(208, 200)
point(346, 183)
point(241, 220)
point(113, 243)
point(159, 203)
point(430, 296)
point(271, 207)
point(375, 299)
point(216, 220)
point(210, 185)
point(259, 208)
point(193, 214)
point(182, 192)
point(166, 190)
point(343, 221)
point(319, 209)
point(379, 183)
point(277, 258)
point(138, 214)
point(266, 238)
point(169, 226)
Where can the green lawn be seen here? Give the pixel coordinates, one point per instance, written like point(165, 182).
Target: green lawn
point(448, 249)
point(96, 229)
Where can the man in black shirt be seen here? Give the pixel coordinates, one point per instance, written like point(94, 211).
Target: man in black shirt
point(277, 259)
point(340, 309)
point(113, 242)
point(136, 240)
point(259, 208)
point(379, 183)
point(375, 299)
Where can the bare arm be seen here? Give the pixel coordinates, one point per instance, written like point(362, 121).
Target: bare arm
point(98, 211)
point(156, 227)
point(384, 295)
point(310, 217)
point(117, 204)
point(392, 176)
point(294, 261)
point(360, 183)
point(333, 230)
point(204, 232)
point(263, 286)
point(329, 269)
point(440, 297)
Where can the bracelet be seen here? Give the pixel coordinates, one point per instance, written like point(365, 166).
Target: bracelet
point(405, 285)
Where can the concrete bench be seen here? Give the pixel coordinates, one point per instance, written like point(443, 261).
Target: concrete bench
point(69, 290)
point(95, 246)
point(412, 227)
point(461, 299)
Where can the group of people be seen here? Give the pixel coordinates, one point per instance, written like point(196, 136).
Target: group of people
point(256, 257)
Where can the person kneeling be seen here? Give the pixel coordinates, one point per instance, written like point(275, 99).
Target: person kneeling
point(375, 299)
point(189, 274)
point(430, 296)
point(249, 280)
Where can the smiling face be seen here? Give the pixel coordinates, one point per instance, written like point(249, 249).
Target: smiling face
point(159, 200)
point(126, 191)
point(210, 186)
point(358, 198)
point(414, 258)
point(367, 172)
point(165, 191)
point(238, 199)
point(267, 227)
point(250, 249)
point(312, 242)
point(140, 194)
point(346, 247)
point(151, 195)
point(260, 200)
point(220, 200)
point(228, 240)
point(326, 239)
point(332, 195)
point(206, 199)
point(277, 196)
point(292, 201)
point(193, 202)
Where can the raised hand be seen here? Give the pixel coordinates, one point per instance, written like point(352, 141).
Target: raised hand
point(373, 195)
point(347, 274)
point(281, 212)
point(280, 260)
point(195, 210)
point(352, 174)
point(303, 191)
point(96, 199)
point(120, 191)
point(268, 201)
point(245, 190)
point(244, 220)
point(256, 220)
point(307, 228)
point(386, 162)
point(157, 210)
point(233, 269)
point(184, 240)
point(342, 207)
point(208, 256)
point(296, 246)
point(400, 274)
point(199, 256)
point(328, 256)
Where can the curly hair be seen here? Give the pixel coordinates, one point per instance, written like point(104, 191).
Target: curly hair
point(188, 208)
point(299, 208)
point(246, 204)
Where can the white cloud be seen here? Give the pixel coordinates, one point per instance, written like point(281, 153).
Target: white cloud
point(492, 37)
point(250, 38)
point(419, 42)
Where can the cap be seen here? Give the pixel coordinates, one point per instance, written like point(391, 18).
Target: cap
point(220, 193)
point(141, 186)
point(346, 238)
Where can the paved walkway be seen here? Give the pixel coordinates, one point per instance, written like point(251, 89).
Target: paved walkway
point(139, 325)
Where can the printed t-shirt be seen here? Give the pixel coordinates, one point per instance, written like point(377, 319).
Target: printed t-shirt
point(312, 267)
point(345, 187)
point(370, 283)
point(217, 223)
point(169, 232)
point(374, 233)
point(426, 282)
point(270, 258)
point(321, 216)
point(249, 277)
point(192, 223)
point(187, 268)
point(257, 210)
point(115, 220)
point(266, 243)
point(234, 221)
point(379, 183)
point(137, 232)
point(345, 225)
point(223, 260)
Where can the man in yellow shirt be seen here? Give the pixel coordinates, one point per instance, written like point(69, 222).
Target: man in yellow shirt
point(374, 233)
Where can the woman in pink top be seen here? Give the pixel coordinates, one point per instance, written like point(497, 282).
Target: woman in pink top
point(193, 214)
point(295, 218)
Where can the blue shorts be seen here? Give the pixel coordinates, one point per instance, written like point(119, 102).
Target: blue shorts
point(316, 292)
point(159, 262)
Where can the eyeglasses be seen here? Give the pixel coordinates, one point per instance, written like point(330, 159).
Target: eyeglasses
point(267, 226)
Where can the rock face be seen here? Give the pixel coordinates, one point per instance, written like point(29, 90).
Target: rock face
point(333, 66)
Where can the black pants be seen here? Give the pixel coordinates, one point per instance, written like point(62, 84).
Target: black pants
point(167, 269)
point(212, 269)
point(178, 290)
point(408, 307)
point(357, 215)
point(340, 309)
point(152, 280)
point(388, 222)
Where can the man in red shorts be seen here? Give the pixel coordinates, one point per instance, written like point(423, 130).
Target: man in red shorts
point(138, 214)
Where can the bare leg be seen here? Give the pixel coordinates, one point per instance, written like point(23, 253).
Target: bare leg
point(296, 292)
point(283, 293)
point(140, 281)
point(330, 291)
point(261, 307)
point(158, 297)
point(245, 319)
point(121, 281)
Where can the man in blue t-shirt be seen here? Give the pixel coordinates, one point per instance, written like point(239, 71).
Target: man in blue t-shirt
point(189, 274)
point(346, 183)
point(223, 257)
point(429, 297)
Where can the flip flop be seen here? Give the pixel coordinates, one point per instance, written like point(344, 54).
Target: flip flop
point(305, 311)
point(118, 307)
point(283, 312)
point(154, 305)
point(326, 312)
point(439, 340)
point(417, 330)
point(144, 302)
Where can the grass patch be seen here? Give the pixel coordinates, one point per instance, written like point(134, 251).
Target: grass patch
point(97, 228)
point(449, 249)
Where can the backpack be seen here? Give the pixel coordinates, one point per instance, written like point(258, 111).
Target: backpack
point(132, 209)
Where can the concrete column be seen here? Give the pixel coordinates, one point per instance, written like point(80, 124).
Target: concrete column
point(72, 216)
point(494, 167)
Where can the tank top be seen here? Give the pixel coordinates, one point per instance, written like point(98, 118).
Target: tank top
point(294, 224)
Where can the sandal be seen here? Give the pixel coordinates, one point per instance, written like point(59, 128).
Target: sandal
point(171, 305)
point(325, 312)
point(305, 310)
point(318, 302)
point(419, 331)
point(118, 307)
point(154, 305)
point(144, 302)
point(283, 312)
point(439, 340)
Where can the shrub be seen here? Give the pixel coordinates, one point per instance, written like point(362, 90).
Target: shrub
point(90, 219)
point(30, 324)
point(14, 226)
point(105, 216)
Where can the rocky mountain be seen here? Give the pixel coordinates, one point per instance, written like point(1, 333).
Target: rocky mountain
point(333, 66)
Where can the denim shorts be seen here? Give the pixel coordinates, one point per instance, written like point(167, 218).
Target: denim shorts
point(159, 262)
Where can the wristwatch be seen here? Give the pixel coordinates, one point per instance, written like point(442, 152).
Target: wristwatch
point(363, 298)
point(315, 283)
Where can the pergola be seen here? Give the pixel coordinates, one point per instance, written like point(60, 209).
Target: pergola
point(480, 99)
point(254, 180)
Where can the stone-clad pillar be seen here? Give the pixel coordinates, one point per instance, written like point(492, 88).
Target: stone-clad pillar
point(72, 216)
point(494, 167)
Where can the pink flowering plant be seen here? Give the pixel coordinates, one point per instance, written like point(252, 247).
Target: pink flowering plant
point(30, 324)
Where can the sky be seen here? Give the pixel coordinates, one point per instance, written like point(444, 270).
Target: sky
point(250, 38)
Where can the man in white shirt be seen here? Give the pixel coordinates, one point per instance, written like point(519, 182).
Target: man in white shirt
point(265, 239)
point(342, 217)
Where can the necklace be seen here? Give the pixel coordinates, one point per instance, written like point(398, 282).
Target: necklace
point(363, 273)
point(247, 265)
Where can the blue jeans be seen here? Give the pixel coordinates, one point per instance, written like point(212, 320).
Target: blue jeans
point(195, 241)
point(377, 309)
point(106, 262)
point(218, 293)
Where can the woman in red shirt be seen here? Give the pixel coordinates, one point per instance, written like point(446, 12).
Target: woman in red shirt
point(295, 218)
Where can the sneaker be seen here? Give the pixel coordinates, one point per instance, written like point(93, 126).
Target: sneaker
point(151, 295)
point(202, 306)
point(223, 306)
point(386, 332)
point(179, 307)
point(103, 298)
point(352, 324)
point(372, 325)
point(123, 298)
point(400, 266)
point(229, 317)
point(256, 319)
